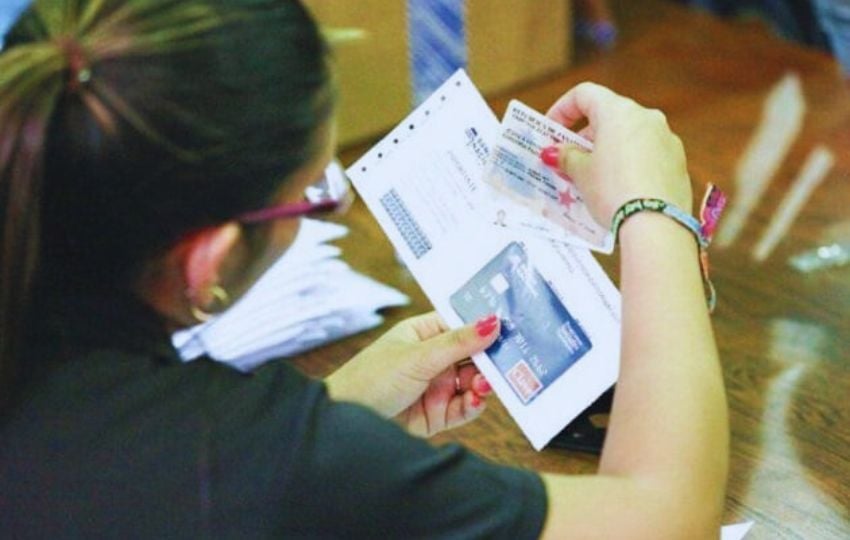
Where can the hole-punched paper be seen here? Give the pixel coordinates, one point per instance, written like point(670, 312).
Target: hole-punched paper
point(558, 350)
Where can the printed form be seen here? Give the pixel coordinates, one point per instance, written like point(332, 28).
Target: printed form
point(558, 349)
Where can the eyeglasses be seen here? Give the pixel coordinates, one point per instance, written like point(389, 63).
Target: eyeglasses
point(331, 194)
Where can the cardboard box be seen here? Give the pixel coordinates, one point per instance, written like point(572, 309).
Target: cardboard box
point(510, 42)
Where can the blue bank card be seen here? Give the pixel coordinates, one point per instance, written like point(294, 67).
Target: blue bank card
point(539, 339)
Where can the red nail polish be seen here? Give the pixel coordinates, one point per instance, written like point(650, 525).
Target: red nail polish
point(485, 326)
point(550, 155)
point(486, 329)
point(484, 387)
point(489, 319)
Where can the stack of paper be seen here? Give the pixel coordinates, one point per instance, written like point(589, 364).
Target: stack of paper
point(307, 298)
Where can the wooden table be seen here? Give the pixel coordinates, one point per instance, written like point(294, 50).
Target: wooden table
point(783, 336)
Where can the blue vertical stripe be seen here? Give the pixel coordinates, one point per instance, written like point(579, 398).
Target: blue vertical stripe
point(437, 43)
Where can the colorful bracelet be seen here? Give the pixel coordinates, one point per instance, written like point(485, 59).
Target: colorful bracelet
point(703, 229)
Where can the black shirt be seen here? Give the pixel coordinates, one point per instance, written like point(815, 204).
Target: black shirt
point(114, 436)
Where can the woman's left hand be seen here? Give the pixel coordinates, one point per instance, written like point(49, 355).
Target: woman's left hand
point(417, 373)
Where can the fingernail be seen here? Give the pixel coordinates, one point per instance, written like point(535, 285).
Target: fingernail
point(489, 319)
point(485, 330)
point(550, 155)
point(483, 387)
point(485, 326)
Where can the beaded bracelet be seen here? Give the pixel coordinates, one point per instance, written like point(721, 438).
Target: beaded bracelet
point(703, 229)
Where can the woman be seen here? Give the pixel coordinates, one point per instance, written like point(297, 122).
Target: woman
point(147, 147)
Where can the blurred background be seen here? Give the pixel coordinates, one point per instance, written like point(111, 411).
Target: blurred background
point(508, 44)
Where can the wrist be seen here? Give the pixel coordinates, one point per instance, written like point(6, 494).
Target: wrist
point(647, 211)
point(673, 213)
point(654, 231)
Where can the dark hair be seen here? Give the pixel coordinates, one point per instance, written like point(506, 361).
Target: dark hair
point(125, 124)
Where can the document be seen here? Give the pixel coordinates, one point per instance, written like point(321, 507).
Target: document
point(560, 314)
point(308, 297)
point(549, 203)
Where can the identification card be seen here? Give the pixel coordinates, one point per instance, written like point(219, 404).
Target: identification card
point(546, 202)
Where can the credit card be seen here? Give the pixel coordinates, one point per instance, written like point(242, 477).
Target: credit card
point(539, 338)
point(545, 201)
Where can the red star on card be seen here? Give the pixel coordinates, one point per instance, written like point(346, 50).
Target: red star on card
point(566, 198)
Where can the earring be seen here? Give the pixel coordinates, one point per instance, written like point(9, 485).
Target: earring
point(222, 298)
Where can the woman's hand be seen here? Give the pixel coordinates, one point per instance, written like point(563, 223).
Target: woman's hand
point(417, 373)
point(669, 375)
point(635, 154)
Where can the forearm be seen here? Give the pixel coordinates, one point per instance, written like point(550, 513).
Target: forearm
point(669, 421)
point(664, 464)
point(663, 468)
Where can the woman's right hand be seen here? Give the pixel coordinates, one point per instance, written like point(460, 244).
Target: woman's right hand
point(635, 154)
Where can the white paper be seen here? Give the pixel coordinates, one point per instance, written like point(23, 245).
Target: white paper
point(432, 165)
point(735, 532)
point(307, 298)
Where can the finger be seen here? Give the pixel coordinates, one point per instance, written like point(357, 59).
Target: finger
point(463, 409)
point(583, 101)
point(440, 408)
point(436, 401)
point(427, 325)
point(588, 132)
point(444, 350)
point(446, 383)
point(569, 159)
point(575, 162)
point(466, 372)
point(481, 386)
point(415, 421)
point(469, 378)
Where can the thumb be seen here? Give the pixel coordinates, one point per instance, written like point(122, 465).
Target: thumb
point(575, 162)
point(448, 348)
point(568, 158)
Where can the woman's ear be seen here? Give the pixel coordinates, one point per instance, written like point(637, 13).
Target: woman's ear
point(204, 254)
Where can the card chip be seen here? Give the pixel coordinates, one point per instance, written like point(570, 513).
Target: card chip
point(499, 284)
point(407, 226)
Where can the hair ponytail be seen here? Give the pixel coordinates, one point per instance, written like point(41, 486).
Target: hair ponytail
point(43, 61)
point(107, 138)
point(30, 83)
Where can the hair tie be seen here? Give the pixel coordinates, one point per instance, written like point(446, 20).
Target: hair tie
point(79, 72)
